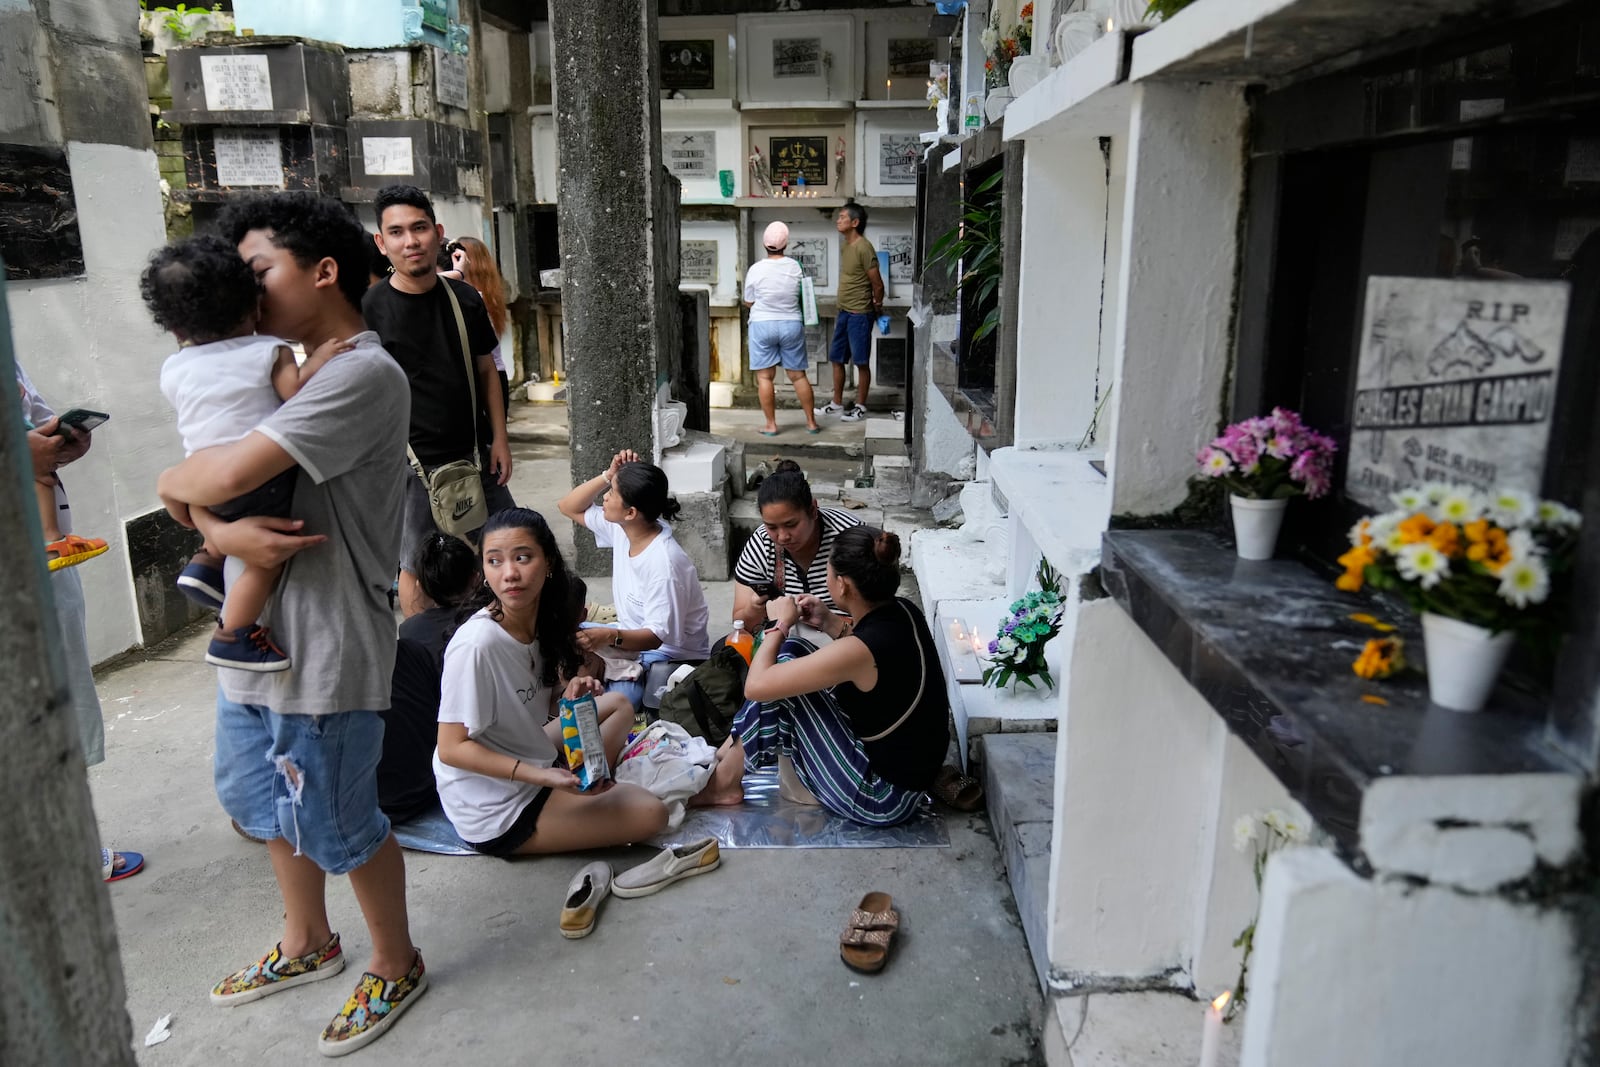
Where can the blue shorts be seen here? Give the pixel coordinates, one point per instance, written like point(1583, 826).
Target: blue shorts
point(778, 341)
point(310, 779)
point(852, 338)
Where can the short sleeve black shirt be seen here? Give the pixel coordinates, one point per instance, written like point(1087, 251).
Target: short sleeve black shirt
point(419, 330)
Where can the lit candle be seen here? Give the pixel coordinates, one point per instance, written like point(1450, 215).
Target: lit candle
point(1108, 25)
point(1211, 1036)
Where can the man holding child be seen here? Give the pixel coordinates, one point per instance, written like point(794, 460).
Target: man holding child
point(297, 751)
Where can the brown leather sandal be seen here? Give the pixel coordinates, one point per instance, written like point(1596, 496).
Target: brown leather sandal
point(864, 945)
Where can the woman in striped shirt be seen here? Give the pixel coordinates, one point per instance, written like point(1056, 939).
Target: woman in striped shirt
point(788, 553)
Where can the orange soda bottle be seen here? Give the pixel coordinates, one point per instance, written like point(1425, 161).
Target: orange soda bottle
point(741, 641)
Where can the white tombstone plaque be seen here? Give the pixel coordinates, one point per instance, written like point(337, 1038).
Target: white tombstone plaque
point(450, 78)
point(1456, 383)
point(387, 155)
point(248, 157)
point(236, 83)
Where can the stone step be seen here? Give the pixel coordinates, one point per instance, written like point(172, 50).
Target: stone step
point(1019, 773)
point(1147, 1029)
point(885, 437)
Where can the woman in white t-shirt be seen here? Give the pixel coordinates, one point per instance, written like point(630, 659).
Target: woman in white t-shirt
point(661, 609)
point(503, 786)
point(777, 331)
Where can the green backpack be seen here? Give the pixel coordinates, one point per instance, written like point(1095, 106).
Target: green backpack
point(706, 701)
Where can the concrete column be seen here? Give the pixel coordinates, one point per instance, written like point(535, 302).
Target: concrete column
point(1179, 256)
point(1388, 974)
point(55, 916)
point(618, 260)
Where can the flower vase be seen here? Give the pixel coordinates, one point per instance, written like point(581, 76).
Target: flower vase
point(1463, 661)
point(1255, 525)
point(996, 102)
point(1026, 72)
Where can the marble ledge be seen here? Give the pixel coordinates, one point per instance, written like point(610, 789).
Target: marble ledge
point(1269, 645)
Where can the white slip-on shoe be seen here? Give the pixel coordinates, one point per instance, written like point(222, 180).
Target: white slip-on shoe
point(670, 865)
point(584, 894)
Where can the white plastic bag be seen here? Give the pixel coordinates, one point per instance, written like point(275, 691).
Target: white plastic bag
point(808, 301)
point(670, 763)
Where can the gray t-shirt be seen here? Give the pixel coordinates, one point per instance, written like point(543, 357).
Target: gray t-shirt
point(347, 430)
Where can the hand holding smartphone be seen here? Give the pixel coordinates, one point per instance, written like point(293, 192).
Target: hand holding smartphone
point(80, 420)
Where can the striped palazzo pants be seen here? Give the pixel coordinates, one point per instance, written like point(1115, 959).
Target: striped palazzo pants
point(828, 757)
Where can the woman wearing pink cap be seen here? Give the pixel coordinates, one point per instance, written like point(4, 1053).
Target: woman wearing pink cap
point(777, 332)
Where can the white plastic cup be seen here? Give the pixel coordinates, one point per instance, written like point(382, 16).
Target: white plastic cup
point(1255, 525)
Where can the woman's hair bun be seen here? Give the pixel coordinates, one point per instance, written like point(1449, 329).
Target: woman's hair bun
point(886, 548)
point(787, 466)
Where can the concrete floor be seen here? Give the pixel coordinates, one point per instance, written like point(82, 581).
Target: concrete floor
point(740, 966)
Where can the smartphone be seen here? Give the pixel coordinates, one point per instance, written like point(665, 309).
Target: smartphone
point(81, 420)
point(768, 591)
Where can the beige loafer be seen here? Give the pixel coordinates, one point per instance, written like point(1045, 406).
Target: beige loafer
point(670, 865)
point(584, 894)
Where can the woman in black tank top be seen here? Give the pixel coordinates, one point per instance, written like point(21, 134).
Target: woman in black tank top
point(862, 723)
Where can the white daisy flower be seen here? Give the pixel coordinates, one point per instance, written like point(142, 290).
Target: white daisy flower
point(1459, 506)
point(1554, 513)
point(1524, 582)
point(1422, 563)
point(1410, 499)
point(1244, 833)
point(1358, 531)
point(1390, 539)
point(1511, 507)
point(1285, 826)
point(1435, 491)
point(1523, 546)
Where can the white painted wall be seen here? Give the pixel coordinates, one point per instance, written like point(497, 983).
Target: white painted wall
point(947, 448)
point(838, 36)
point(1059, 290)
point(725, 293)
point(1385, 974)
point(681, 116)
point(90, 342)
point(1179, 253)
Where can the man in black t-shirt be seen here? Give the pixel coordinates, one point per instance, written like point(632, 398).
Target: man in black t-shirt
point(411, 314)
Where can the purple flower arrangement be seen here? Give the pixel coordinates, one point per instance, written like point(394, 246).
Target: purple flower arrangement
point(1017, 652)
point(1271, 457)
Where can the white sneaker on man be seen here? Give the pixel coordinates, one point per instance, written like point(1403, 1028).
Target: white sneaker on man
point(830, 409)
point(854, 413)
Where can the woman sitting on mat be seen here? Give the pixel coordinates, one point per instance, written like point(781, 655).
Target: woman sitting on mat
point(447, 573)
point(864, 721)
point(788, 553)
point(503, 785)
point(661, 609)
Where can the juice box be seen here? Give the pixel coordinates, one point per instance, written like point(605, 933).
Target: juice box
point(582, 743)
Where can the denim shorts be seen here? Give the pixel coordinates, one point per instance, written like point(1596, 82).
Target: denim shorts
point(774, 341)
point(852, 338)
point(310, 779)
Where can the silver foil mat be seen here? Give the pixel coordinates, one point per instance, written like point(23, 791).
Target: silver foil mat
point(766, 820)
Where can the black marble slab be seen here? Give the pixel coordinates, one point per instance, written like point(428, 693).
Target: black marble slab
point(1269, 645)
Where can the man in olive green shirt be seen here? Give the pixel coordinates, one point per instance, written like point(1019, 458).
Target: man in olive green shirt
point(860, 301)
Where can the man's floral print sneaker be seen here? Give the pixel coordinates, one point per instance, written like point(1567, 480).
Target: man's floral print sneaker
point(273, 973)
point(372, 1009)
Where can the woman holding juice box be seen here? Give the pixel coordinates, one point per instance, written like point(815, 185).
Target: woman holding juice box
point(502, 778)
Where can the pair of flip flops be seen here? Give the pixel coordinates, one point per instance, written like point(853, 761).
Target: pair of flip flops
point(868, 934)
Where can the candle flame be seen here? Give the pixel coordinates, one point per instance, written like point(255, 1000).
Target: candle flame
point(1222, 1001)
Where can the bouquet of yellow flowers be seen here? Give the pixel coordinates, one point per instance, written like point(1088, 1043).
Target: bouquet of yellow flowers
point(1489, 560)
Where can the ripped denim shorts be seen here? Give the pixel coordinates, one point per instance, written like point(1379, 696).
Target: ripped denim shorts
point(309, 779)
